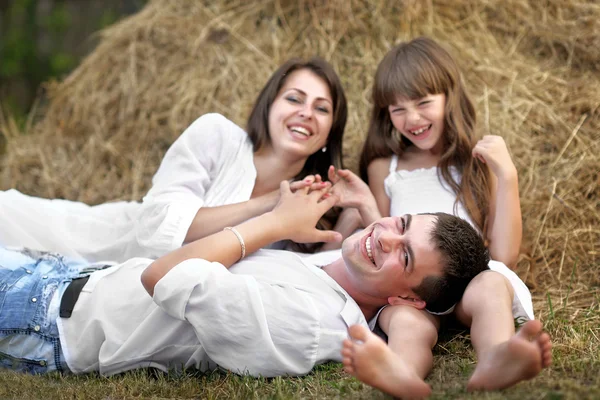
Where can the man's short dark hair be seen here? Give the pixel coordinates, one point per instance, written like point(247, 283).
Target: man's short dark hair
point(463, 254)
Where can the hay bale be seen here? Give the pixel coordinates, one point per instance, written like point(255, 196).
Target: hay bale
point(531, 67)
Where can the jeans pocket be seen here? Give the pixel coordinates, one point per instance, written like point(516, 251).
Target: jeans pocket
point(10, 277)
point(24, 299)
point(10, 281)
point(26, 365)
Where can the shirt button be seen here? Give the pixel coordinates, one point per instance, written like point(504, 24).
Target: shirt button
point(36, 328)
point(33, 300)
point(45, 277)
point(28, 271)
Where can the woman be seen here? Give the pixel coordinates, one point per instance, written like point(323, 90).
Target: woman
point(214, 175)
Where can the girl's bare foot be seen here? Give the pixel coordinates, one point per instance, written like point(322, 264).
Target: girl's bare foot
point(520, 358)
point(368, 358)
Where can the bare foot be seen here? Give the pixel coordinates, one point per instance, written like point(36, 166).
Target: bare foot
point(369, 359)
point(522, 357)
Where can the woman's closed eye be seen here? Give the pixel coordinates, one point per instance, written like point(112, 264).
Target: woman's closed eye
point(322, 109)
point(293, 99)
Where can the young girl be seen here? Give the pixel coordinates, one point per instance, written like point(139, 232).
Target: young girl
point(214, 175)
point(422, 153)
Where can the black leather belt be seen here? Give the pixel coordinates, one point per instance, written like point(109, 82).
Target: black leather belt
point(69, 298)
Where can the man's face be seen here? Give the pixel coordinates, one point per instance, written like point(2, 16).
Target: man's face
point(392, 256)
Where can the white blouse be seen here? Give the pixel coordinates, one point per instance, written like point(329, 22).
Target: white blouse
point(210, 164)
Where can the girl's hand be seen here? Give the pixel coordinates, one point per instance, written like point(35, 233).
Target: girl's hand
point(297, 213)
point(349, 188)
point(492, 151)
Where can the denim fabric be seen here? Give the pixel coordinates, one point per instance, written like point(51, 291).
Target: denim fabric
point(31, 285)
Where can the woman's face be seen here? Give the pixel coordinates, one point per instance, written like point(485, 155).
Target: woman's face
point(301, 116)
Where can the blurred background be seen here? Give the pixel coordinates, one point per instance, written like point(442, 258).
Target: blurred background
point(42, 40)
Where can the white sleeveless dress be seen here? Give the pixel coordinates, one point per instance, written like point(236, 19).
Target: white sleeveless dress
point(421, 191)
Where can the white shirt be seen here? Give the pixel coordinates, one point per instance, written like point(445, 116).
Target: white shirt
point(271, 314)
point(210, 164)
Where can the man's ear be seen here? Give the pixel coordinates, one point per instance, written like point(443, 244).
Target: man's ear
point(407, 301)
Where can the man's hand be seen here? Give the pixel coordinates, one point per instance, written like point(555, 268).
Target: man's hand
point(297, 213)
point(492, 151)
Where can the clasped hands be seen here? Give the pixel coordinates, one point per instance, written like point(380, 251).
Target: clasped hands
point(302, 203)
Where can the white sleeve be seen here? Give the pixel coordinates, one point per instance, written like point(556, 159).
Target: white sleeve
point(180, 185)
point(246, 326)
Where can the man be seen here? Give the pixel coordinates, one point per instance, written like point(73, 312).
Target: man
point(272, 314)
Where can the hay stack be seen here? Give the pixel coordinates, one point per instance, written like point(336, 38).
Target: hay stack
point(531, 67)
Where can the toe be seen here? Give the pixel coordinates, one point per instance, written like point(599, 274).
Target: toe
point(358, 332)
point(547, 359)
point(530, 329)
point(544, 341)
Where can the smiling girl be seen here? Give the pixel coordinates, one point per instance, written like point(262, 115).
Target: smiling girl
point(423, 154)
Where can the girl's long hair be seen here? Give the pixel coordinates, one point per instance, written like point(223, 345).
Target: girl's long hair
point(412, 70)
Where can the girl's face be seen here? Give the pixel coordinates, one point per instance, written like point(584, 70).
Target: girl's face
point(301, 116)
point(421, 120)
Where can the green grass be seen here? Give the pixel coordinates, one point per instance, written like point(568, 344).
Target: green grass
point(575, 374)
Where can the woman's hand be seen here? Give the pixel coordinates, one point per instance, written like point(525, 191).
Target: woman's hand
point(313, 182)
point(298, 212)
point(492, 151)
point(269, 200)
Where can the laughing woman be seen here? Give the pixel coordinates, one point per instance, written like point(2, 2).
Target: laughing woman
point(213, 176)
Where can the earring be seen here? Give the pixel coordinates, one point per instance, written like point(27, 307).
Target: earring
point(324, 149)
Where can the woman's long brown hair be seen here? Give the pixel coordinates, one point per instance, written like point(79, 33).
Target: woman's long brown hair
point(319, 162)
point(413, 70)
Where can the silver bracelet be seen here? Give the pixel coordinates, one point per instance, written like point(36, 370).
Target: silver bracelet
point(240, 238)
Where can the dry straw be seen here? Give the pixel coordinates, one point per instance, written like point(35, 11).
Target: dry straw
point(532, 68)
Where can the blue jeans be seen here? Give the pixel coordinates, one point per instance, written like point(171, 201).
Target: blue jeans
point(31, 286)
